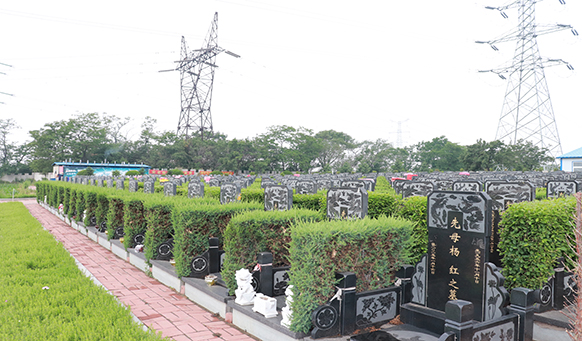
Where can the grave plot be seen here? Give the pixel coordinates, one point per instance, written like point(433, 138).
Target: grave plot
point(259, 241)
point(323, 253)
point(417, 188)
point(170, 189)
point(467, 186)
point(347, 203)
point(195, 189)
point(454, 283)
point(561, 188)
point(305, 187)
point(148, 187)
point(230, 193)
point(278, 198)
point(194, 225)
point(506, 193)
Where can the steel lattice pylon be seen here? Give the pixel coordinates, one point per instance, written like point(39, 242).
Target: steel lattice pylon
point(527, 112)
point(196, 79)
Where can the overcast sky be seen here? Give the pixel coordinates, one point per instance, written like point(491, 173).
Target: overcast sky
point(369, 68)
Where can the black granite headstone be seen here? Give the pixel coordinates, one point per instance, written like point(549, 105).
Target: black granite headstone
point(561, 188)
point(347, 203)
point(229, 193)
point(195, 189)
point(459, 227)
point(278, 198)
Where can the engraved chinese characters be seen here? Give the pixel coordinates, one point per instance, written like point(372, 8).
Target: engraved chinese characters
point(458, 232)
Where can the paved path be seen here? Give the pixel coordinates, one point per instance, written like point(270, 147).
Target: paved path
point(156, 305)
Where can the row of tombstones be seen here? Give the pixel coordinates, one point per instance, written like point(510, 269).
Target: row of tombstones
point(455, 291)
point(512, 191)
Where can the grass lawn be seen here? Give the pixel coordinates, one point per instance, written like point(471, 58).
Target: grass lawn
point(44, 296)
point(21, 189)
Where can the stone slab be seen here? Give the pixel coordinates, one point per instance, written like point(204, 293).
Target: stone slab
point(164, 272)
point(102, 240)
point(119, 249)
point(260, 326)
point(92, 234)
point(138, 260)
point(213, 298)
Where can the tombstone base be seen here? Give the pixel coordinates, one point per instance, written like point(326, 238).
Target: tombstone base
point(423, 317)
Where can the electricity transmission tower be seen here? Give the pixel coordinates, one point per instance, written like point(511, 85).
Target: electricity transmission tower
point(196, 78)
point(527, 109)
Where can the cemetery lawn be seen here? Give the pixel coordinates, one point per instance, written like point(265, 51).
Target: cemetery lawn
point(44, 296)
point(21, 189)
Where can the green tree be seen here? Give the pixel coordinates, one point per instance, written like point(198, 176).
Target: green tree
point(438, 154)
point(373, 156)
point(483, 156)
point(332, 148)
point(13, 157)
point(83, 137)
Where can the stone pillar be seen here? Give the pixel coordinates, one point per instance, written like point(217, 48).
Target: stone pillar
point(265, 262)
point(347, 285)
point(559, 285)
point(404, 275)
point(522, 303)
point(213, 256)
point(459, 319)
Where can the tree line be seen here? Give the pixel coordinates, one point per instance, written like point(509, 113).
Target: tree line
point(102, 138)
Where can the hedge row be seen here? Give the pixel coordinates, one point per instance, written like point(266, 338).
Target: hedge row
point(194, 224)
point(249, 233)
point(371, 248)
point(533, 236)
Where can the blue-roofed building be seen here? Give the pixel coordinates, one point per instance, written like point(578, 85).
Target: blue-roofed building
point(68, 169)
point(572, 161)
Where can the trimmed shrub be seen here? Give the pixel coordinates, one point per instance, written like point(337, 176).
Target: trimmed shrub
point(371, 248)
point(114, 215)
point(193, 225)
point(134, 220)
point(314, 202)
point(80, 208)
point(158, 215)
point(382, 203)
point(259, 231)
point(72, 203)
point(414, 209)
point(383, 186)
point(102, 207)
point(90, 206)
point(253, 195)
point(212, 192)
point(532, 236)
point(66, 196)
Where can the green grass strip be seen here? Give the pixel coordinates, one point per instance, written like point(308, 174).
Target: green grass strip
point(44, 296)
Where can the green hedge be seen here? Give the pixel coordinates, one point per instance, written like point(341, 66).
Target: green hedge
point(90, 205)
point(382, 203)
point(158, 215)
point(80, 205)
point(259, 231)
point(533, 235)
point(72, 203)
point(102, 207)
point(314, 202)
point(371, 248)
point(114, 215)
point(134, 221)
point(414, 209)
point(193, 225)
point(383, 186)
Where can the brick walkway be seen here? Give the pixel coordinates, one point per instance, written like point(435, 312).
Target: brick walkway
point(156, 305)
